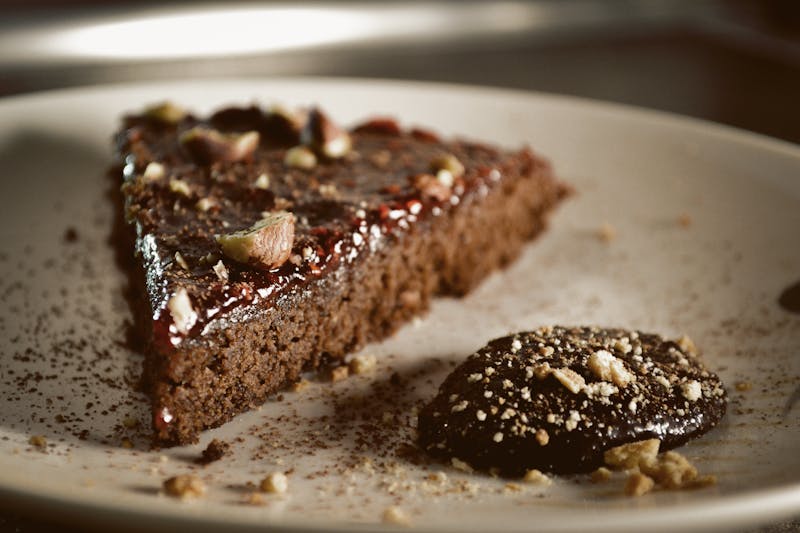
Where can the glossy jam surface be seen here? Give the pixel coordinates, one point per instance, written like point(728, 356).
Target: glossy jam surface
point(344, 208)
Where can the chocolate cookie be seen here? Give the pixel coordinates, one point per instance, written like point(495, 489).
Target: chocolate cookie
point(556, 398)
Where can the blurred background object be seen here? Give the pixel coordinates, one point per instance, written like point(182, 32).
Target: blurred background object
point(731, 61)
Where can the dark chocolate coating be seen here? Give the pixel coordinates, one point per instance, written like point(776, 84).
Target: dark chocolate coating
point(494, 409)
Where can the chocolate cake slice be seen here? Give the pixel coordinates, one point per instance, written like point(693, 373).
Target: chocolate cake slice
point(268, 242)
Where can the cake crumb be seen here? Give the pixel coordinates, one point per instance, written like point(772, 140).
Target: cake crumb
point(396, 516)
point(638, 484)
point(536, 477)
point(185, 486)
point(606, 232)
point(275, 483)
point(685, 220)
point(363, 364)
point(216, 450)
point(743, 386)
point(601, 475)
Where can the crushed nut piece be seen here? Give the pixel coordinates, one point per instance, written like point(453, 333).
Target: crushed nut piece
point(638, 484)
point(536, 477)
point(208, 146)
point(396, 516)
point(633, 454)
point(431, 187)
point(153, 171)
point(180, 187)
point(743, 386)
point(363, 364)
point(608, 368)
point(671, 470)
point(275, 483)
point(324, 136)
point(38, 440)
point(262, 182)
point(181, 261)
point(183, 314)
point(573, 381)
point(601, 475)
point(692, 390)
point(267, 243)
point(339, 373)
point(221, 271)
point(184, 486)
point(300, 157)
point(204, 204)
point(542, 437)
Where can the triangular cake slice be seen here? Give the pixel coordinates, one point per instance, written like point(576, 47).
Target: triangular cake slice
point(268, 242)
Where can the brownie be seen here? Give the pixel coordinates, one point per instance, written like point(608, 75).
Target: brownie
point(557, 398)
point(269, 242)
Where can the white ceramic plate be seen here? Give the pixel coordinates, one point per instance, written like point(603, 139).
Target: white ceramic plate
point(65, 373)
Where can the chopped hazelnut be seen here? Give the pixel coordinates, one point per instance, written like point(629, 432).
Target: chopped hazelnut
point(267, 243)
point(300, 157)
point(542, 437)
point(184, 487)
point(207, 146)
point(321, 134)
point(183, 314)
